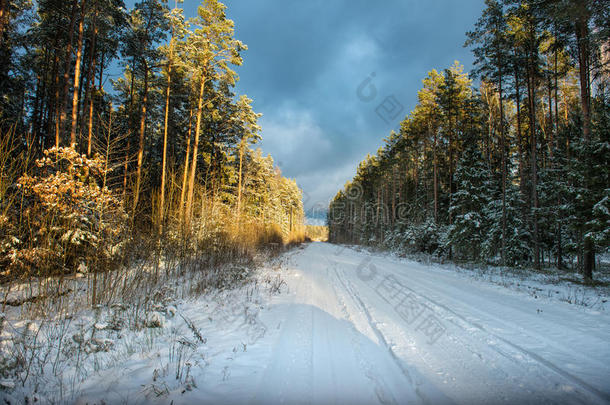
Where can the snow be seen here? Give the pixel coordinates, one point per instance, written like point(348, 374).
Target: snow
point(332, 324)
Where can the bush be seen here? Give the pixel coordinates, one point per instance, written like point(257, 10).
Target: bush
point(65, 218)
point(425, 237)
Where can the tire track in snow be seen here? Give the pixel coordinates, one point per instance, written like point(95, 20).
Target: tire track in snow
point(528, 353)
point(381, 391)
point(541, 360)
point(417, 383)
point(292, 356)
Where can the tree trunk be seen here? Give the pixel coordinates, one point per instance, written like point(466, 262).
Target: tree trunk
point(52, 104)
point(393, 197)
point(54, 110)
point(435, 163)
point(90, 128)
point(559, 220)
point(186, 166)
point(141, 144)
point(91, 83)
point(126, 169)
point(519, 132)
point(531, 93)
point(37, 103)
point(450, 181)
point(101, 77)
point(490, 132)
point(77, 70)
point(79, 118)
point(503, 146)
point(165, 126)
point(556, 90)
point(100, 89)
point(132, 85)
point(191, 189)
point(239, 177)
point(61, 109)
point(400, 184)
point(551, 148)
point(582, 39)
point(589, 259)
point(377, 214)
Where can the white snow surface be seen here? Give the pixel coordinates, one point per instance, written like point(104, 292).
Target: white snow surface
point(353, 327)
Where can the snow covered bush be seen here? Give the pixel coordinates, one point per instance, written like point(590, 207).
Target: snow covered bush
point(67, 217)
point(471, 219)
point(518, 242)
point(422, 238)
point(600, 224)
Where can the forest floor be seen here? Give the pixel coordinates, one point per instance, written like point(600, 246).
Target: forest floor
point(333, 324)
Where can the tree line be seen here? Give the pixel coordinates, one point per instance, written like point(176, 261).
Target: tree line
point(165, 148)
point(514, 170)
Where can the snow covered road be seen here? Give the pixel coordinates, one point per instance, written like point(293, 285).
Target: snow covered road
point(352, 327)
point(360, 328)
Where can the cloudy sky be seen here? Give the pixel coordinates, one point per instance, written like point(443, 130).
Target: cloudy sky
point(307, 60)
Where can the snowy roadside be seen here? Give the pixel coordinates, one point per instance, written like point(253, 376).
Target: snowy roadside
point(158, 348)
point(555, 286)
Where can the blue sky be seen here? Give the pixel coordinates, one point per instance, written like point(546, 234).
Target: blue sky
point(307, 59)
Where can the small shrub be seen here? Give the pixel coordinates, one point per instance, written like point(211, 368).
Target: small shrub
point(66, 216)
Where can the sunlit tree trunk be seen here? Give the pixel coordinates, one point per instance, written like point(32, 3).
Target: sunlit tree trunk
point(186, 165)
point(191, 188)
point(141, 142)
point(239, 186)
point(77, 70)
point(165, 126)
point(61, 110)
point(126, 169)
point(91, 84)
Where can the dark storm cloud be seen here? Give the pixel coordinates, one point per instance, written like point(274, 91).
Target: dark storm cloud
point(306, 60)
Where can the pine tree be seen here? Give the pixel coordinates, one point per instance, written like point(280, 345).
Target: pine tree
point(148, 26)
point(492, 57)
point(210, 50)
point(246, 119)
point(178, 31)
point(468, 206)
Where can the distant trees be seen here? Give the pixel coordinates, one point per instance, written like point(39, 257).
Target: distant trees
point(514, 172)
